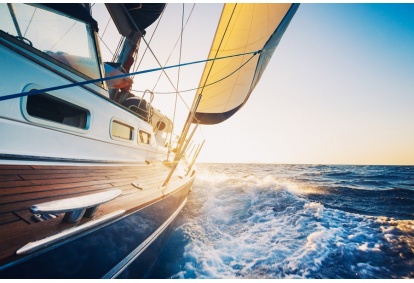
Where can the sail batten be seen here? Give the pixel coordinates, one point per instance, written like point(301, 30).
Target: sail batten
point(243, 28)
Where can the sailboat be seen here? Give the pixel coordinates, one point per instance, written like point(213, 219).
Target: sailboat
point(91, 179)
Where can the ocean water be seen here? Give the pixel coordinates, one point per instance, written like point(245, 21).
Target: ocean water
point(294, 221)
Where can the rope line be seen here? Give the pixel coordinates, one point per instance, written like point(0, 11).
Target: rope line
point(49, 89)
point(187, 90)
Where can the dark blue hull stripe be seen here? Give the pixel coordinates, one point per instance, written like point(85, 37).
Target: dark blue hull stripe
point(121, 266)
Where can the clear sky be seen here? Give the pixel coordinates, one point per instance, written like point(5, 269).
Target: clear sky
point(339, 88)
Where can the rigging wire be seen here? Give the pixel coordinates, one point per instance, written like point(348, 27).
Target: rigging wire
point(38, 91)
point(179, 68)
point(181, 46)
point(30, 22)
point(118, 48)
point(158, 62)
point(101, 36)
point(51, 48)
point(101, 40)
point(175, 45)
point(107, 24)
point(187, 90)
point(152, 36)
point(148, 48)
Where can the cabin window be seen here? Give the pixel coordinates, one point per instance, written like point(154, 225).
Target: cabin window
point(66, 39)
point(144, 137)
point(50, 108)
point(121, 130)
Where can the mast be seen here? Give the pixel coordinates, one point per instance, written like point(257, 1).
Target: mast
point(126, 56)
point(131, 20)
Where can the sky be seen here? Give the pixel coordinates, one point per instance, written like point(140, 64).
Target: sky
point(339, 88)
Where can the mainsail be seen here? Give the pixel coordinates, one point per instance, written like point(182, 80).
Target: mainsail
point(226, 84)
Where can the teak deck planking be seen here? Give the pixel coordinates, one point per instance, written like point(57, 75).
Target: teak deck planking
point(23, 186)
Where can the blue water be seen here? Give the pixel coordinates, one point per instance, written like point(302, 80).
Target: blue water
point(294, 221)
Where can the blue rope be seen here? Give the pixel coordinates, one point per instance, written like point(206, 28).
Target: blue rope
point(38, 91)
point(212, 83)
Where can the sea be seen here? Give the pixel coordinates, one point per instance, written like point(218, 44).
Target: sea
point(263, 221)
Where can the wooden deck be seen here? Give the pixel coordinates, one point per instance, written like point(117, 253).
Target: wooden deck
point(23, 186)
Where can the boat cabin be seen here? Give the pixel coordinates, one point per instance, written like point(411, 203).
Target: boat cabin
point(70, 50)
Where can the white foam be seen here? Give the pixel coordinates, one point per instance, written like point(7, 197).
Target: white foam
point(252, 226)
point(366, 247)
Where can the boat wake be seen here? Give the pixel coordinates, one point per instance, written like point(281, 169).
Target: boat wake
point(257, 225)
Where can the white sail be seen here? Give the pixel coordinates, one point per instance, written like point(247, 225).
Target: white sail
point(243, 29)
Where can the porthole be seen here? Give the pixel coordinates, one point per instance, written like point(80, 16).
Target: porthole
point(50, 108)
point(144, 137)
point(121, 130)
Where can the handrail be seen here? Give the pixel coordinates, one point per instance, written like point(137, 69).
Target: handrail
point(149, 106)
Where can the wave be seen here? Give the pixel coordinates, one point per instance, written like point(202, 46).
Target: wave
point(370, 198)
point(243, 225)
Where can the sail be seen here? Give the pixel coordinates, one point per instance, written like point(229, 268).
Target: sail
point(129, 17)
point(226, 84)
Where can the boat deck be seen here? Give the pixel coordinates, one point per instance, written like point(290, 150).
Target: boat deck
point(24, 186)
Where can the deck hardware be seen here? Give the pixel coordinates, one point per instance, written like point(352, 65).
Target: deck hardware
point(33, 246)
point(37, 217)
point(136, 184)
point(42, 217)
point(76, 207)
